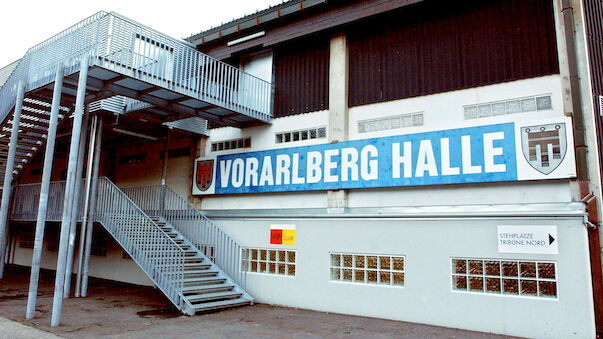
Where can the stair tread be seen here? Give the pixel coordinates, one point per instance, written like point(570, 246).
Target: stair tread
point(215, 295)
point(221, 304)
point(207, 287)
point(191, 264)
point(206, 271)
point(200, 279)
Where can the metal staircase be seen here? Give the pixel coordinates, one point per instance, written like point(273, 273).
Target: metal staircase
point(133, 69)
point(33, 128)
point(205, 286)
point(191, 279)
point(193, 225)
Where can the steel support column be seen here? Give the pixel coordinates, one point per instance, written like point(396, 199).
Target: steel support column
point(8, 175)
point(83, 232)
point(164, 172)
point(68, 203)
point(93, 197)
point(76, 204)
point(43, 206)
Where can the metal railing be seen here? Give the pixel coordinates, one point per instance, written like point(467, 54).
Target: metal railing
point(132, 49)
point(193, 224)
point(153, 250)
point(26, 199)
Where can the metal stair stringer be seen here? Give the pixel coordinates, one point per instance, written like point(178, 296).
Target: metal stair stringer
point(214, 289)
point(185, 275)
point(193, 225)
point(155, 252)
point(32, 134)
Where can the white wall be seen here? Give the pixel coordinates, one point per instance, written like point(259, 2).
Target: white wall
point(112, 267)
point(427, 296)
point(445, 110)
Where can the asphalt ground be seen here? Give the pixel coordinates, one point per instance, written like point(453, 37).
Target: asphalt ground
point(117, 310)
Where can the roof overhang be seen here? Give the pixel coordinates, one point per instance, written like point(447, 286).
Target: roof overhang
point(317, 16)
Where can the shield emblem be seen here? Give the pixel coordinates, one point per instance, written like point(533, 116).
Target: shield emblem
point(205, 174)
point(544, 146)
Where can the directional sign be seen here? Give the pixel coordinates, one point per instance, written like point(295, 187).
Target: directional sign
point(541, 239)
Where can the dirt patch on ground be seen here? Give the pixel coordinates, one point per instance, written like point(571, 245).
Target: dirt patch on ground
point(122, 310)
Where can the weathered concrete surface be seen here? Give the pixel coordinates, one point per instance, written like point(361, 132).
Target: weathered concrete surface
point(12, 329)
point(115, 310)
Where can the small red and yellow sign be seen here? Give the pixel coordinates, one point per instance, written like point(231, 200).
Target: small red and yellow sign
point(282, 234)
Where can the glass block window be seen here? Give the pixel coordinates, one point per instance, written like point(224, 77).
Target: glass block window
point(531, 104)
point(306, 134)
point(230, 144)
point(368, 268)
point(395, 122)
point(505, 277)
point(269, 261)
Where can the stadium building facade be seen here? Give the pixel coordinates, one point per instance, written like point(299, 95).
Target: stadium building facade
point(422, 161)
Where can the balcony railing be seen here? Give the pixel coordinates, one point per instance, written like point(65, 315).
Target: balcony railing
point(126, 47)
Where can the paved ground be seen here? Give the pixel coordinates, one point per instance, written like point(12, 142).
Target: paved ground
point(115, 310)
point(13, 329)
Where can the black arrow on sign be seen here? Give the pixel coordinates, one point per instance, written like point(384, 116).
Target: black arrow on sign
point(551, 239)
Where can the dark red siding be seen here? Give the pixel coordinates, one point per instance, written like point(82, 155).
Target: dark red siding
point(440, 46)
point(301, 76)
point(593, 14)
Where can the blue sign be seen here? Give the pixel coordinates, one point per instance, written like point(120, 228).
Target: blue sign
point(465, 155)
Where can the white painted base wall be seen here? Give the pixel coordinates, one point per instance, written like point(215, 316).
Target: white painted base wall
point(112, 267)
point(427, 296)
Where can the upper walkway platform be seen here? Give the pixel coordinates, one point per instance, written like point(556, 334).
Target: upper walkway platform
point(133, 70)
point(162, 75)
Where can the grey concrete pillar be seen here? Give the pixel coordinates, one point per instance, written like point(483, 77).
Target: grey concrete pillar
point(83, 232)
point(68, 203)
point(338, 105)
point(76, 204)
point(43, 206)
point(93, 197)
point(164, 172)
point(8, 174)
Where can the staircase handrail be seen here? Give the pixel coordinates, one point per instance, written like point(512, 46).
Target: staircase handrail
point(118, 44)
point(224, 251)
point(148, 245)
